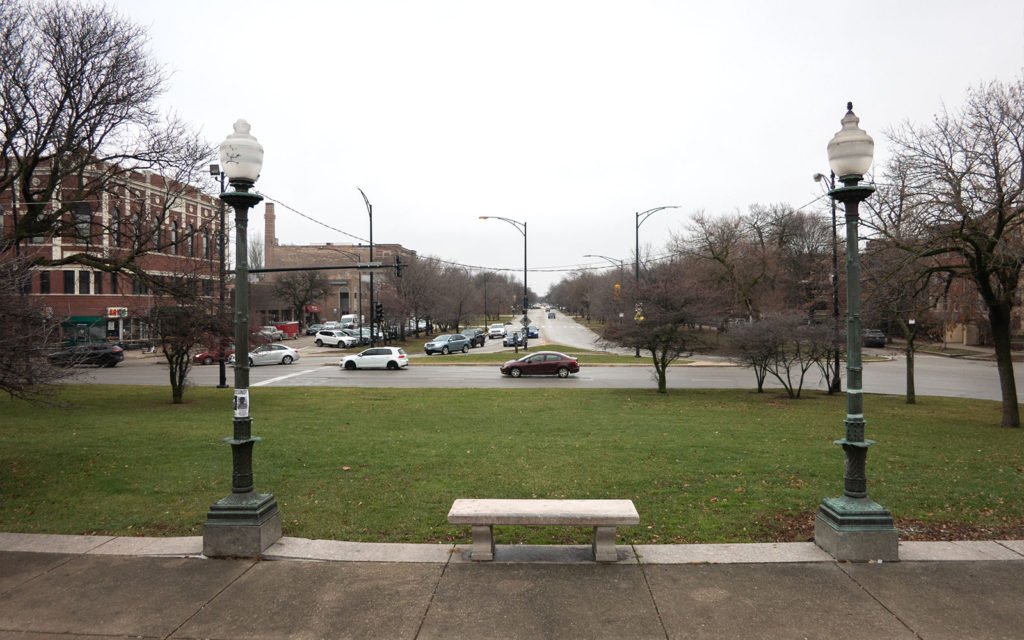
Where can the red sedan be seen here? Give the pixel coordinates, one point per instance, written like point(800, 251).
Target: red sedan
point(541, 363)
point(209, 356)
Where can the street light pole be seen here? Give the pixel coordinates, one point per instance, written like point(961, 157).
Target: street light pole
point(837, 383)
point(641, 217)
point(853, 527)
point(244, 523)
point(521, 227)
point(221, 242)
point(369, 210)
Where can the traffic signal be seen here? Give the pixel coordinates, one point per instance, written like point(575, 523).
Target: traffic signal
point(378, 311)
point(398, 267)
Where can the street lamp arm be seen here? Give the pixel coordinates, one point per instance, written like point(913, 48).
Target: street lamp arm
point(521, 226)
point(617, 263)
point(643, 215)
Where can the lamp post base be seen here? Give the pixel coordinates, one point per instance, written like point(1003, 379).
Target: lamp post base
point(856, 530)
point(242, 525)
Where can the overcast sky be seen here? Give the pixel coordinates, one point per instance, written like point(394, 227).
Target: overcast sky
point(569, 116)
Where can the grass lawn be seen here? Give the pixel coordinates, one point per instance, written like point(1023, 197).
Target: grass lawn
point(385, 464)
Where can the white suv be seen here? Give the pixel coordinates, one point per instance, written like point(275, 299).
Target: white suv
point(334, 339)
point(496, 331)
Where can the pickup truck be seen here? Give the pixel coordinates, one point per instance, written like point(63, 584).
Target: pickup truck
point(271, 333)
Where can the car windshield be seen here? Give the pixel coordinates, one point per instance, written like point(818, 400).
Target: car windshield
point(442, 337)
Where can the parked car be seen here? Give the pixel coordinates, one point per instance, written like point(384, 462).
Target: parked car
point(360, 338)
point(377, 358)
point(271, 333)
point(513, 339)
point(330, 324)
point(551, 314)
point(532, 331)
point(477, 337)
point(542, 363)
point(271, 354)
point(101, 354)
point(337, 338)
point(313, 328)
point(447, 343)
point(496, 331)
point(873, 338)
point(209, 356)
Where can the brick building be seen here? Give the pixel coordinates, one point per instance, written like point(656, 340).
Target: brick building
point(349, 291)
point(179, 222)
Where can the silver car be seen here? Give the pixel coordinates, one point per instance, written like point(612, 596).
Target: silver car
point(271, 354)
point(447, 343)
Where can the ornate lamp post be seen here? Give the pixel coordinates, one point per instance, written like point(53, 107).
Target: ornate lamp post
point(521, 227)
point(244, 523)
point(641, 217)
point(852, 526)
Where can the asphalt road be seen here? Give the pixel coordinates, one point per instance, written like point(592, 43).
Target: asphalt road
point(935, 375)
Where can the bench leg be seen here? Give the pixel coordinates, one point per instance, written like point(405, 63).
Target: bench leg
point(604, 544)
point(483, 543)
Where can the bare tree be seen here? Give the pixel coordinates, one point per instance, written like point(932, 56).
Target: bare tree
point(670, 310)
point(78, 95)
point(300, 288)
point(965, 176)
point(24, 371)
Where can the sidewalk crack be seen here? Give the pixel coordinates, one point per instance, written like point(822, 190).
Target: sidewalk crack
point(650, 591)
point(842, 567)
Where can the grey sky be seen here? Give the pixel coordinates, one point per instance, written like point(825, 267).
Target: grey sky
point(570, 116)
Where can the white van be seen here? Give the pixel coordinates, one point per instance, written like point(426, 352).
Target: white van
point(349, 321)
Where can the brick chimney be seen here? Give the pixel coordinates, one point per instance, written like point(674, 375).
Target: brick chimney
point(269, 237)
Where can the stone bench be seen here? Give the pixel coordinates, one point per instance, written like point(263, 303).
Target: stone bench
point(603, 515)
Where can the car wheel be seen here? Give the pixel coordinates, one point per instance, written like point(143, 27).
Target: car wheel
point(465, 348)
point(392, 365)
point(319, 343)
point(563, 372)
point(350, 365)
point(207, 360)
point(444, 351)
point(515, 373)
point(288, 360)
point(251, 363)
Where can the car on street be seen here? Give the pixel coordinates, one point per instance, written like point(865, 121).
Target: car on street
point(532, 331)
point(513, 339)
point(447, 343)
point(313, 328)
point(873, 338)
point(271, 354)
point(271, 333)
point(541, 363)
point(496, 330)
point(551, 315)
point(477, 337)
point(209, 356)
point(335, 338)
point(100, 354)
point(377, 358)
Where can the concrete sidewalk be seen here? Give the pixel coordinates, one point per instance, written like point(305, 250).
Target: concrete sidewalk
point(94, 586)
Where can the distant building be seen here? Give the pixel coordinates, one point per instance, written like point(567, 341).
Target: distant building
point(93, 304)
point(349, 291)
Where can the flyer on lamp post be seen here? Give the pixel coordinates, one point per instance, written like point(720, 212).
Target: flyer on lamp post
point(241, 403)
